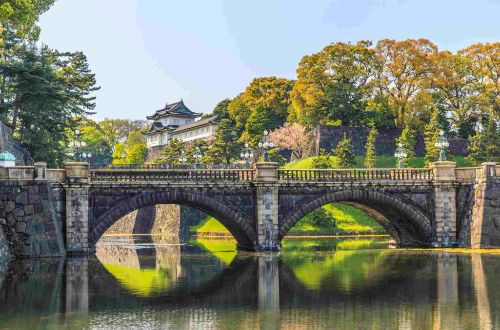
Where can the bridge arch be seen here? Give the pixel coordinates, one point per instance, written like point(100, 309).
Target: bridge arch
point(406, 223)
point(237, 225)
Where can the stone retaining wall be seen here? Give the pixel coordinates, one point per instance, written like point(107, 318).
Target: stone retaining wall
point(162, 219)
point(32, 222)
point(4, 248)
point(327, 137)
point(485, 229)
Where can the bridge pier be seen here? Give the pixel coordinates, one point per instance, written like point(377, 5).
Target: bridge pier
point(267, 207)
point(77, 209)
point(445, 208)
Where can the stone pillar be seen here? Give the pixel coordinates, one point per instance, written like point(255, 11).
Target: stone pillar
point(269, 291)
point(77, 208)
point(485, 229)
point(445, 208)
point(267, 207)
point(40, 171)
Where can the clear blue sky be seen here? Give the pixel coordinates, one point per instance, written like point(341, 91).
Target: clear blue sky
point(148, 52)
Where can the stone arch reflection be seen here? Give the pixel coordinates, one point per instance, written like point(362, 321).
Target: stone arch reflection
point(146, 267)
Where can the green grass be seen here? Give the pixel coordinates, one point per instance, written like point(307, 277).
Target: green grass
point(336, 219)
point(341, 219)
point(209, 226)
point(381, 162)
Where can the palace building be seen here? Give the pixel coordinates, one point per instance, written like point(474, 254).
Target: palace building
point(178, 121)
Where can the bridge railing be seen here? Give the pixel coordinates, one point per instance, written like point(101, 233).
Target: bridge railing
point(331, 175)
point(172, 175)
point(466, 173)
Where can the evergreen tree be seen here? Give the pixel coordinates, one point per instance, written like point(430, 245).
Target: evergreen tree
point(485, 145)
point(171, 153)
point(407, 139)
point(371, 152)
point(344, 153)
point(225, 147)
point(261, 119)
point(322, 160)
point(431, 134)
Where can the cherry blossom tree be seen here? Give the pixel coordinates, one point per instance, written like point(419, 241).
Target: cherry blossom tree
point(292, 136)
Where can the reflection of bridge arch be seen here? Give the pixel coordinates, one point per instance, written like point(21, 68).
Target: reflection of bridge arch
point(237, 225)
point(406, 223)
point(238, 280)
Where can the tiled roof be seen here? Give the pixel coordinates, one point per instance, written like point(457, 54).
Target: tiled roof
point(177, 108)
point(157, 127)
point(201, 122)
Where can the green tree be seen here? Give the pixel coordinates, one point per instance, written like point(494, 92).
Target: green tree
point(407, 139)
point(344, 153)
point(96, 145)
point(275, 156)
point(20, 17)
point(261, 119)
point(117, 130)
point(371, 151)
point(322, 160)
point(431, 134)
point(225, 147)
point(132, 151)
point(484, 146)
point(172, 152)
point(136, 154)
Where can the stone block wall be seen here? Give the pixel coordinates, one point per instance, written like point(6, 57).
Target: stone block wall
point(327, 137)
point(161, 219)
point(485, 229)
point(4, 248)
point(31, 222)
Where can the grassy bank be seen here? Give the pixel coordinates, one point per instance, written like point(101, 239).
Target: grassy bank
point(381, 162)
point(331, 219)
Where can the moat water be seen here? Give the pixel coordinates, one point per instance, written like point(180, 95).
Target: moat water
point(360, 283)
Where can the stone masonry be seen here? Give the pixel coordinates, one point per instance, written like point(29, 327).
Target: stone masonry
point(30, 218)
point(485, 232)
point(4, 248)
point(420, 207)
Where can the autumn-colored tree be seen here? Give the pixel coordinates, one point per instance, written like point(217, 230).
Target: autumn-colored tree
point(371, 151)
point(332, 85)
point(401, 81)
point(456, 88)
point(292, 136)
point(262, 106)
point(485, 59)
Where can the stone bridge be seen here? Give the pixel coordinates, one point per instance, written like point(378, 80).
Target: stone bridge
point(439, 206)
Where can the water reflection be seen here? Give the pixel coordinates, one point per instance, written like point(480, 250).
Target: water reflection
point(311, 283)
